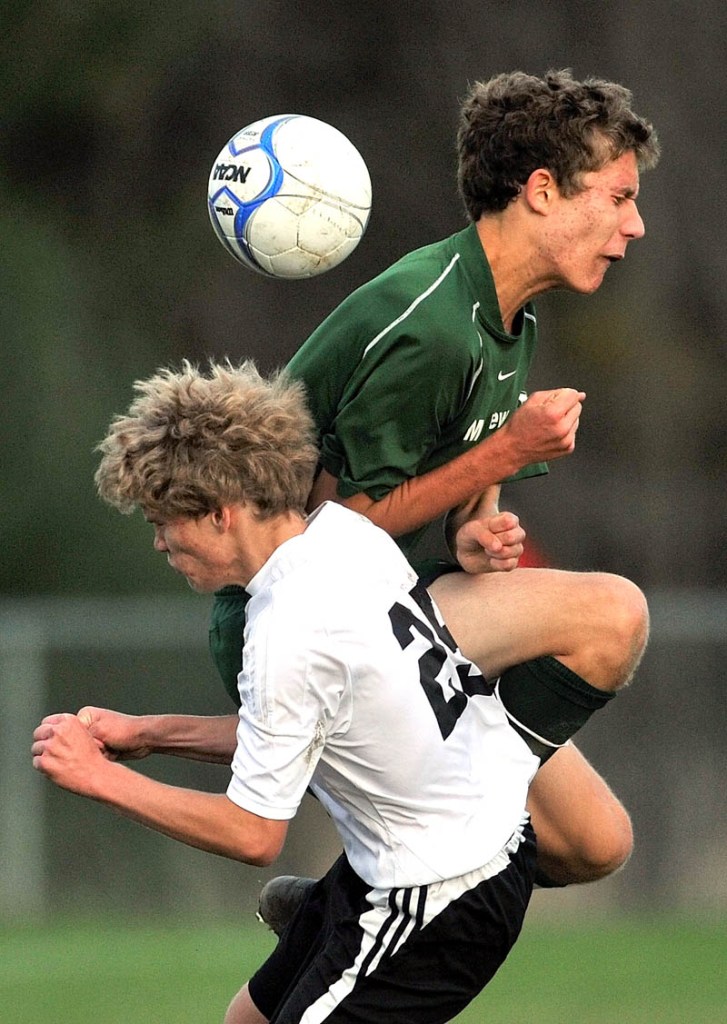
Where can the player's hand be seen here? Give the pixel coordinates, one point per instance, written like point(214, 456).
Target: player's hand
point(545, 426)
point(115, 734)
point(490, 544)
point(66, 753)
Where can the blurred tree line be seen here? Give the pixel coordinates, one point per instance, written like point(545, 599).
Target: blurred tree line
point(112, 116)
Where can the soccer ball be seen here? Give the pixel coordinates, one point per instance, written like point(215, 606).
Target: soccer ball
point(289, 196)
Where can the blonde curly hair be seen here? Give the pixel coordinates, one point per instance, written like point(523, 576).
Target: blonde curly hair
point(193, 442)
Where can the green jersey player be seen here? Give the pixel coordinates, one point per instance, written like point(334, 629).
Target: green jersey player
point(417, 386)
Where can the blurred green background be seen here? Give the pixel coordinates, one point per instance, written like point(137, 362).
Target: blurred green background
point(639, 973)
point(112, 114)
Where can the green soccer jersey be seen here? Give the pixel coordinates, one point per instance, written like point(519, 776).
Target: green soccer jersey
point(414, 368)
point(409, 372)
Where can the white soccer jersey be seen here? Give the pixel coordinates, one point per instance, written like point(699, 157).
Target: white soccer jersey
point(352, 686)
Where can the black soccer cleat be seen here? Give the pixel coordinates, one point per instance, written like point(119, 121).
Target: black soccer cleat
point(280, 898)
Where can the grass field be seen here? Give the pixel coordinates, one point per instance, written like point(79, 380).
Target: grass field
point(658, 972)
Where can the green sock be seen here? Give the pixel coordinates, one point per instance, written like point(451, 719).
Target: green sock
point(545, 698)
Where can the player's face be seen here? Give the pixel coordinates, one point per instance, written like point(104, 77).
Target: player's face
point(194, 548)
point(592, 229)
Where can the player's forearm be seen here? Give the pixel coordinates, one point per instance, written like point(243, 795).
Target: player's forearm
point(206, 821)
point(422, 499)
point(197, 737)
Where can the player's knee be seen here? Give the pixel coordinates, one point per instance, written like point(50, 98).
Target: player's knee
point(595, 854)
point(626, 631)
point(607, 852)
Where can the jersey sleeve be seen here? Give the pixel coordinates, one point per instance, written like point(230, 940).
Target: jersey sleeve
point(292, 693)
point(407, 384)
point(393, 418)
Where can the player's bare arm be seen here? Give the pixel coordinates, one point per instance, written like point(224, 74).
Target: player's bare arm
point(65, 751)
point(541, 430)
point(124, 737)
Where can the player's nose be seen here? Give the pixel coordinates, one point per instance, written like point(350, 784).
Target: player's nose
point(633, 225)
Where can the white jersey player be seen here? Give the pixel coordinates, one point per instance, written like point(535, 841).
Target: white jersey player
point(352, 687)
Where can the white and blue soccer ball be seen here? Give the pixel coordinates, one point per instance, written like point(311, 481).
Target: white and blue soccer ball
point(289, 196)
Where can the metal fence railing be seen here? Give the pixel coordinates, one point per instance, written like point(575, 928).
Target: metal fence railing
point(663, 749)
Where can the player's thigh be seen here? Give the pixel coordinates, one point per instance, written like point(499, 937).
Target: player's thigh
point(502, 619)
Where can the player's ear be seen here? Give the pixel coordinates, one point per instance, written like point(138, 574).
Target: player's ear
point(221, 517)
point(540, 191)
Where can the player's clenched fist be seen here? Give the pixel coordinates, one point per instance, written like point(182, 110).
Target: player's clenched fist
point(64, 751)
point(490, 544)
point(116, 734)
point(545, 425)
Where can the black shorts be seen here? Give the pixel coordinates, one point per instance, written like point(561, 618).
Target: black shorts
point(355, 955)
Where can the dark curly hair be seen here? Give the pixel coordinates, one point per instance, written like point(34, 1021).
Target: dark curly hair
point(514, 123)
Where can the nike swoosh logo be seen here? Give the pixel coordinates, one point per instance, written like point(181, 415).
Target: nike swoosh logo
point(504, 376)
